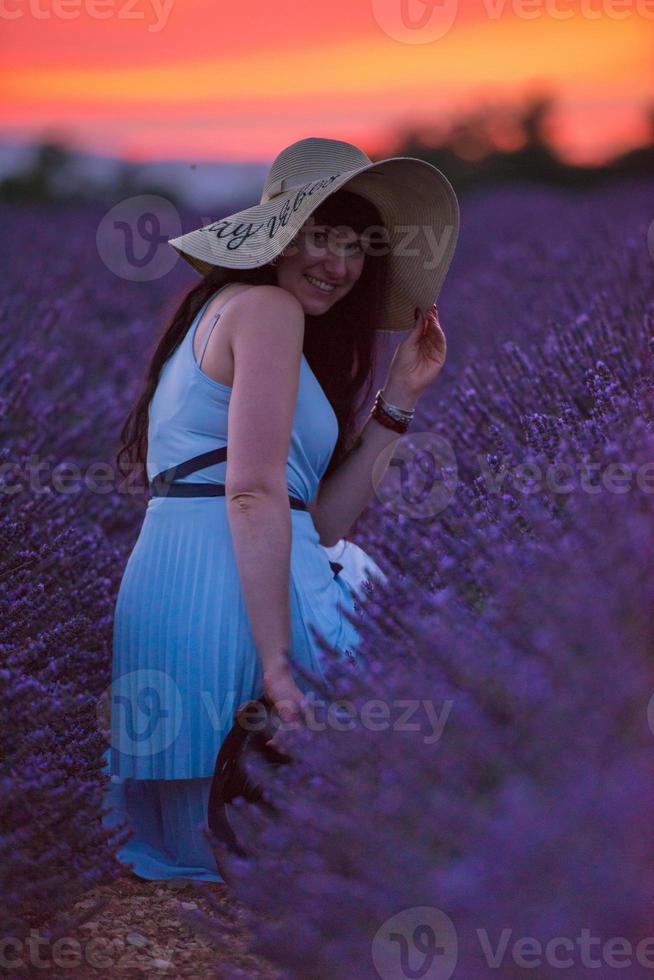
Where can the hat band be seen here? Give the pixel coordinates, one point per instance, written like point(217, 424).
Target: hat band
point(285, 184)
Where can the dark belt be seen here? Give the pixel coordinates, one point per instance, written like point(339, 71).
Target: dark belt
point(164, 485)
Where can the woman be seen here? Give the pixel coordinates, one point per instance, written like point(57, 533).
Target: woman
point(271, 354)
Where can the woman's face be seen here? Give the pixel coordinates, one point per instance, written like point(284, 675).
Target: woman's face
point(333, 256)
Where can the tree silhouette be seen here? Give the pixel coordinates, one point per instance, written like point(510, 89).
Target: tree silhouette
point(44, 179)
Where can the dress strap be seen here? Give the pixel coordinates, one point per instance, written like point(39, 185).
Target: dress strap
point(208, 337)
point(163, 484)
point(190, 466)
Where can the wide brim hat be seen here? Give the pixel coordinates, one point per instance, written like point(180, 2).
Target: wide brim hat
point(417, 203)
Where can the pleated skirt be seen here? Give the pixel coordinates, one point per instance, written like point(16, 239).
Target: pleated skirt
point(184, 657)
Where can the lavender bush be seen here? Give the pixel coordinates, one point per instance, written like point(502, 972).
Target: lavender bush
point(519, 622)
point(498, 823)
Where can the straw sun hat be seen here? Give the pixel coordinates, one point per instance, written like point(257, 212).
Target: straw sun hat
point(418, 207)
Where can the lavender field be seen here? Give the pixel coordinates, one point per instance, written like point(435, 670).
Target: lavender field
point(502, 825)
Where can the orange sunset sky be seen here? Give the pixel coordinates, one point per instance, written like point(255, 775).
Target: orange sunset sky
point(241, 79)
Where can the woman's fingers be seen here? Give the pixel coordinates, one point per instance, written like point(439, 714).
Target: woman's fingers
point(426, 317)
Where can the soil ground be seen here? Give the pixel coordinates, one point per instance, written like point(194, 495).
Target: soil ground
point(140, 933)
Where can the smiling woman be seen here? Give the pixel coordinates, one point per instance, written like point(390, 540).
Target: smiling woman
point(245, 434)
point(330, 260)
point(186, 627)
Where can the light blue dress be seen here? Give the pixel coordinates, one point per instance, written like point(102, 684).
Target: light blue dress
point(184, 657)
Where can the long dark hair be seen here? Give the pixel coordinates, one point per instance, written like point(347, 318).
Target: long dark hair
point(339, 345)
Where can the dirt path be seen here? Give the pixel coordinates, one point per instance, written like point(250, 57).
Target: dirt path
point(140, 933)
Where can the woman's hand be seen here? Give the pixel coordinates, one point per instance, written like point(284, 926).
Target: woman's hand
point(418, 358)
point(285, 696)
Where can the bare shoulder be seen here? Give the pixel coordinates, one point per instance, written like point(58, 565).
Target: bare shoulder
point(264, 297)
point(262, 311)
